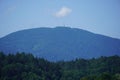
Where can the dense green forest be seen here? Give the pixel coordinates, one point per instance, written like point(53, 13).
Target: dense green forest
point(22, 66)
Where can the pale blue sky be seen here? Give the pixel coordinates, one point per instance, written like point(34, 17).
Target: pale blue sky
point(98, 16)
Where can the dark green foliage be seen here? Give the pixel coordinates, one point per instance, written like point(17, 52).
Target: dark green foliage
point(24, 66)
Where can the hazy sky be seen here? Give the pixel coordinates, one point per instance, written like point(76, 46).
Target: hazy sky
point(98, 16)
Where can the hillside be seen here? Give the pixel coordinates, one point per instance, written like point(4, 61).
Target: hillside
point(60, 43)
point(26, 67)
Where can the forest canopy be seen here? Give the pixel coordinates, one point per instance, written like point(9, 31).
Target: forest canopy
point(24, 66)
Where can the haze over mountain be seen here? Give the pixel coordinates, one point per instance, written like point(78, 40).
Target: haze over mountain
point(60, 43)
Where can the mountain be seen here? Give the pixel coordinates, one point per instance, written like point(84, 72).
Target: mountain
point(60, 43)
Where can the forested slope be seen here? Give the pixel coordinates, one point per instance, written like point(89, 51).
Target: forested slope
point(24, 66)
point(54, 44)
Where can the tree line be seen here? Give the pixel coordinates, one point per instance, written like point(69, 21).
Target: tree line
point(24, 66)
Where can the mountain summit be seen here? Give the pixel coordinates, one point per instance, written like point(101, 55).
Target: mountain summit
point(60, 43)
